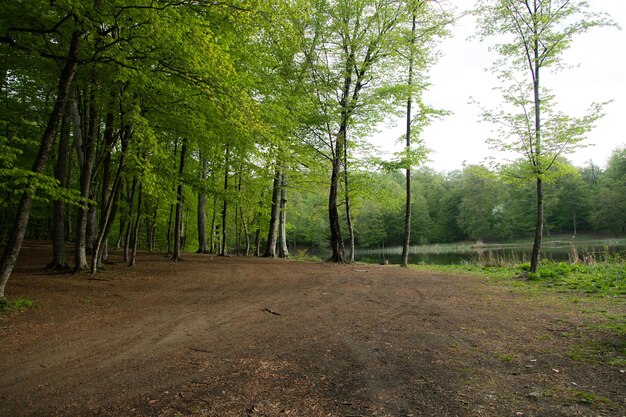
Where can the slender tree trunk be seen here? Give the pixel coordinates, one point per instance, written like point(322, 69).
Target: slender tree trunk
point(60, 172)
point(135, 237)
point(169, 230)
point(14, 243)
point(213, 217)
point(109, 210)
point(203, 246)
point(89, 152)
point(223, 248)
point(237, 222)
point(172, 206)
point(534, 258)
point(406, 244)
point(178, 219)
point(272, 234)
point(101, 245)
point(92, 221)
point(129, 225)
point(246, 233)
point(152, 227)
point(122, 227)
point(336, 241)
point(283, 251)
point(346, 184)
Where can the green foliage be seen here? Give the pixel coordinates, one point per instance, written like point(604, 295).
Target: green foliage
point(19, 304)
point(606, 276)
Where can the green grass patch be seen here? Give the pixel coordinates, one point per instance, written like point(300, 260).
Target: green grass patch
point(593, 400)
point(607, 278)
point(303, 256)
point(506, 357)
point(18, 305)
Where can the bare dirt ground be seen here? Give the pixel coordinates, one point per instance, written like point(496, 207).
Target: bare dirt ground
point(241, 336)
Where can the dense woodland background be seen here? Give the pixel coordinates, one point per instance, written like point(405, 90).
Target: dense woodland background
point(219, 127)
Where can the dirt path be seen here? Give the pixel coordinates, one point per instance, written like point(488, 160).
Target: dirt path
point(256, 337)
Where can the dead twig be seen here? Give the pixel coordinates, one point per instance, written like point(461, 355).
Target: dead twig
point(200, 350)
point(271, 312)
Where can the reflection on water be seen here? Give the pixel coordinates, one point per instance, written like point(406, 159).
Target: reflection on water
point(554, 252)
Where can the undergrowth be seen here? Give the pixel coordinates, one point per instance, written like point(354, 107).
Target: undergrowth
point(606, 276)
point(18, 305)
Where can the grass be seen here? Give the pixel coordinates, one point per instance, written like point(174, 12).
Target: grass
point(303, 256)
point(606, 276)
point(592, 284)
point(20, 304)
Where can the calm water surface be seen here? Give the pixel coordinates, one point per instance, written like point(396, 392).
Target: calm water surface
point(421, 255)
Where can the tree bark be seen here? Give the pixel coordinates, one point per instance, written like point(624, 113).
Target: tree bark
point(336, 241)
point(223, 246)
point(135, 237)
point(129, 225)
point(272, 234)
point(89, 152)
point(109, 210)
point(14, 243)
point(346, 184)
point(213, 226)
point(283, 251)
point(203, 246)
point(178, 219)
point(246, 233)
point(406, 243)
point(58, 218)
point(534, 258)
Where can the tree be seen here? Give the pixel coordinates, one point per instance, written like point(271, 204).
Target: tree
point(65, 78)
point(611, 201)
point(348, 45)
point(536, 33)
point(479, 205)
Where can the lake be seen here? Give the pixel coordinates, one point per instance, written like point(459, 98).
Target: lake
point(450, 254)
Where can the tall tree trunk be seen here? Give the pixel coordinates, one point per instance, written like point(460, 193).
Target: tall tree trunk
point(213, 225)
point(257, 241)
point(122, 227)
point(152, 224)
point(172, 206)
point(283, 251)
point(272, 234)
point(101, 245)
point(109, 210)
point(406, 244)
point(169, 230)
point(129, 225)
point(14, 243)
point(178, 219)
point(534, 258)
point(135, 237)
point(203, 246)
point(245, 233)
point(89, 152)
point(336, 241)
point(224, 242)
point(346, 184)
point(61, 173)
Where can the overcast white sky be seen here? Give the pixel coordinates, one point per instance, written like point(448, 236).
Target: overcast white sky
point(599, 75)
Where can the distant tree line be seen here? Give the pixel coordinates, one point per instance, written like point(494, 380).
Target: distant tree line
point(474, 204)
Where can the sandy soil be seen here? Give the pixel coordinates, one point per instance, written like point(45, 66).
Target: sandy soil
point(238, 336)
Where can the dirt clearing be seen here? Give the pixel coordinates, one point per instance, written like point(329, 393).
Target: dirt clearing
point(239, 336)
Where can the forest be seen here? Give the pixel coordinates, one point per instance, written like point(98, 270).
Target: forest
point(240, 127)
point(157, 157)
